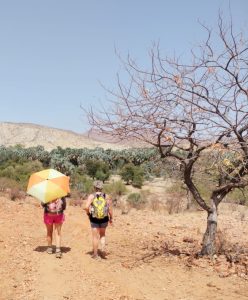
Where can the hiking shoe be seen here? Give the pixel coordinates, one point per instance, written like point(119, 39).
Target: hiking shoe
point(96, 257)
point(103, 254)
point(58, 254)
point(49, 250)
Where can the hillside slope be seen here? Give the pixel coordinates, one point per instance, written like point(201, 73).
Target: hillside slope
point(30, 135)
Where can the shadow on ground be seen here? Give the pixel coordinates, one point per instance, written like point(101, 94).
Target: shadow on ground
point(100, 253)
point(44, 249)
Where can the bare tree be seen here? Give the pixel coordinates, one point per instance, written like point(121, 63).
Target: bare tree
point(188, 109)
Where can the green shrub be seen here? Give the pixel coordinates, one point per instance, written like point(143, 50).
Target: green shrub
point(8, 172)
point(127, 173)
point(132, 174)
point(20, 172)
point(138, 178)
point(81, 183)
point(100, 175)
point(97, 169)
point(136, 200)
point(116, 188)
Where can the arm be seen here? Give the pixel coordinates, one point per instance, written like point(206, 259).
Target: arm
point(44, 206)
point(88, 203)
point(63, 203)
point(110, 211)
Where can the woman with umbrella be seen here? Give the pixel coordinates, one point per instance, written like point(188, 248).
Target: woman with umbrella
point(53, 219)
point(51, 187)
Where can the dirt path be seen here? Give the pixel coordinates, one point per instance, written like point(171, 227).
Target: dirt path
point(131, 270)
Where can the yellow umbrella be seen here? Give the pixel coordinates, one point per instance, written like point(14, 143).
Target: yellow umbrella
point(48, 185)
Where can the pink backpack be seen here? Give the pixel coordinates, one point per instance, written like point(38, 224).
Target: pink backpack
point(55, 206)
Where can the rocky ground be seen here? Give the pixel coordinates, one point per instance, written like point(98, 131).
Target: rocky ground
point(151, 255)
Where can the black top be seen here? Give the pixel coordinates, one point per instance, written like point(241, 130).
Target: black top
point(98, 221)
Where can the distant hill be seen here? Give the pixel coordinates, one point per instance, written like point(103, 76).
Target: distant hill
point(30, 135)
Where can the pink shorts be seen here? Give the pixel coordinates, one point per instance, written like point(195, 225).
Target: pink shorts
point(50, 219)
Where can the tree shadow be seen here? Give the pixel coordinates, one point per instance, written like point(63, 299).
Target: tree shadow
point(44, 249)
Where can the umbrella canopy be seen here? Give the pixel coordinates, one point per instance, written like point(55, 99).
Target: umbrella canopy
point(48, 185)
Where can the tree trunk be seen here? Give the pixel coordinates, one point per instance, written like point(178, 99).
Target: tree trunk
point(189, 199)
point(208, 243)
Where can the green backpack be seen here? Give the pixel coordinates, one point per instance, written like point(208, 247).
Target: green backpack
point(99, 206)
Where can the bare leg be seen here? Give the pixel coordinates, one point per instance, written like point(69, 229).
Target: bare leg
point(102, 238)
point(58, 235)
point(49, 228)
point(58, 240)
point(95, 240)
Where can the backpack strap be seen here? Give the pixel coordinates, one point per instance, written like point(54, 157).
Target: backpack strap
point(99, 195)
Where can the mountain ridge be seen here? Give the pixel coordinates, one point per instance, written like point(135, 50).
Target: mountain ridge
point(31, 135)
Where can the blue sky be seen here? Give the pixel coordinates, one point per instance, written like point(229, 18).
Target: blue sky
point(54, 53)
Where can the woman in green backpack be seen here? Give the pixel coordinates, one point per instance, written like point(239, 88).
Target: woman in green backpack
point(99, 209)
